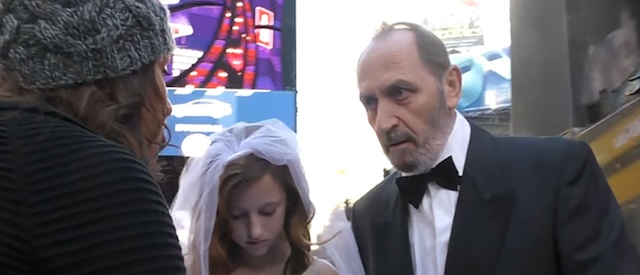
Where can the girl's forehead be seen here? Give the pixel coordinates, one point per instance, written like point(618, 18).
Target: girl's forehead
point(256, 194)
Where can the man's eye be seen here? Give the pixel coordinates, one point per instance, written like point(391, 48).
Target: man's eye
point(370, 101)
point(400, 92)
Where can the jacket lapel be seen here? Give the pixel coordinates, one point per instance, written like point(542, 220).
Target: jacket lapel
point(390, 232)
point(483, 211)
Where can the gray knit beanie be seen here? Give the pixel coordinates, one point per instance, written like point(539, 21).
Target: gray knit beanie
point(57, 43)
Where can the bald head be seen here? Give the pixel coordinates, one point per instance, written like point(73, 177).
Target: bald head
point(431, 51)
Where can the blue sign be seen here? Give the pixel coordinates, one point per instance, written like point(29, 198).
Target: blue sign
point(198, 113)
point(486, 79)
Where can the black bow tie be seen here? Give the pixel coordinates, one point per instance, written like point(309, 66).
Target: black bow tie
point(445, 174)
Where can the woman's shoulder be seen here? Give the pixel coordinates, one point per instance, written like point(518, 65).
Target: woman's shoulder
point(66, 154)
point(60, 136)
point(47, 131)
point(320, 267)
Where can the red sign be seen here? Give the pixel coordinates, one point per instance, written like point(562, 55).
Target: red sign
point(264, 37)
point(470, 3)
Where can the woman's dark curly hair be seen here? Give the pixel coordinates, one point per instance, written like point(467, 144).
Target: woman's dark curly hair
point(129, 110)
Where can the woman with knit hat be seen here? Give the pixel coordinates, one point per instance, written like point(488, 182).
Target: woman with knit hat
point(82, 109)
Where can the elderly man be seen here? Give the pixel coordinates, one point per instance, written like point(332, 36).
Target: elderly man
point(463, 201)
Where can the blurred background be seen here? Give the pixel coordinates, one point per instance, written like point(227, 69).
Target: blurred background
point(542, 67)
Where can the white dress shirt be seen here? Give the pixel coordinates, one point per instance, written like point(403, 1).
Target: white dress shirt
point(430, 225)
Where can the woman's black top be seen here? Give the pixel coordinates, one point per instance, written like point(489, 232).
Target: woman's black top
point(74, 203)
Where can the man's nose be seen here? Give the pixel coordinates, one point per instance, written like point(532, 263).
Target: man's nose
point(386, 118)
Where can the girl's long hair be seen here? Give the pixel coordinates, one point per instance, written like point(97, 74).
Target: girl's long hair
point(224, 253)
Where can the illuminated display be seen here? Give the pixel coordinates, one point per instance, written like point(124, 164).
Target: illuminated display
point(264, 37)
point(226, 43)
point(198, 113)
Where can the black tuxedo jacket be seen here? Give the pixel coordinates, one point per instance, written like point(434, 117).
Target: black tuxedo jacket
point(538, 206)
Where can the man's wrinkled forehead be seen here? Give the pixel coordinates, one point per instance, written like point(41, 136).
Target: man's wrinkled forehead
point(387, 60)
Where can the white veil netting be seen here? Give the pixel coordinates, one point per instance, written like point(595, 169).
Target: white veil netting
point(196, 203)
point(340, 249)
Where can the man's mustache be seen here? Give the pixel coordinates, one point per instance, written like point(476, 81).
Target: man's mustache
point(395, 137)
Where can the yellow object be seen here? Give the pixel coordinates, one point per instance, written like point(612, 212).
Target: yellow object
point(616, 143)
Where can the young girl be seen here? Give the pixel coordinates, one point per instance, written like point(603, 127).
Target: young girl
point(244, 208)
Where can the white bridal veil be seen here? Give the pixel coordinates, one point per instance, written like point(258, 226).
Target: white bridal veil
point(341, 249)
point(195, 206)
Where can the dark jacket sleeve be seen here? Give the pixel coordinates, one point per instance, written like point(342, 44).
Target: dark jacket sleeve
point(590, 233)
point(96, 211)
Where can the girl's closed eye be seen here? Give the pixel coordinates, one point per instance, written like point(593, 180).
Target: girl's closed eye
point(267, 213)
point(237, 216)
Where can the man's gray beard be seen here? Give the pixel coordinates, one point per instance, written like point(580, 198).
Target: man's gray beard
point(427, 155)
point(429, 149)
point(427, 152)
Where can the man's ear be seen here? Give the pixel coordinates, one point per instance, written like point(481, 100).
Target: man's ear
point(452, 85)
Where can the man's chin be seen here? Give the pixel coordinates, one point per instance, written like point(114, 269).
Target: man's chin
point(403, 164)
